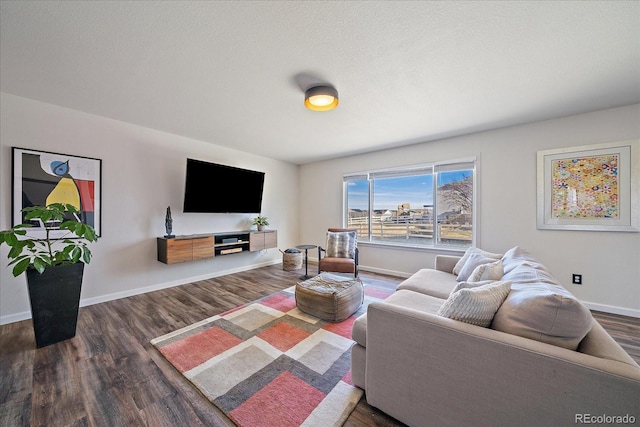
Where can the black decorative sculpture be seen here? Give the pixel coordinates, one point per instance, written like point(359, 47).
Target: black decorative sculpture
point(168, 223)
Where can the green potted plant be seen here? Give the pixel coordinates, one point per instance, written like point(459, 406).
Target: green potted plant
point(261, 222)
point(53, 266)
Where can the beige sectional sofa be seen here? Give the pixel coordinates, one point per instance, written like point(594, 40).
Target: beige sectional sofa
point(542, 360)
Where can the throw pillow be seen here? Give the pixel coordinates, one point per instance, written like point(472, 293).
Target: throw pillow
point(341, 244)
point(491, 271)
point(466, 285)
point(461, 262)
point(476, 305)
point(474, 261)
point(544, 312)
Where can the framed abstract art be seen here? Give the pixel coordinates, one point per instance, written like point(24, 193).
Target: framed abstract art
point(591, 187)
point(42, 178)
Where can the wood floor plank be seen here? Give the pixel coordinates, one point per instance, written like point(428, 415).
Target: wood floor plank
point(110, 374)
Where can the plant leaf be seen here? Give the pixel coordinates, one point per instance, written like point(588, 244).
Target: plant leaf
point(86, 256)
point(15, 250)
point(71, 209)
point(38, 265)
point(76, 254)
point(18, 259)
point(45, 258)
point(20, 267)
point(22, 226)
point(69, 225)
point(90, 234)
point(11, 239)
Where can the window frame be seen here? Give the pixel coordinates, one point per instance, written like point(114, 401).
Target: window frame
point(435, 168)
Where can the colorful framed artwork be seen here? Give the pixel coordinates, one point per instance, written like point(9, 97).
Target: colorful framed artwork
point(591, 187)
point(42, 178)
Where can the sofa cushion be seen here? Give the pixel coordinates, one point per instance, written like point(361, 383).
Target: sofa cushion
point(476, 305)
point(404, 298)
point(516, 256)
point(338, 265)
point(415, 301)
point(341, 244)
point(543, 312)
point(530, 272)
point(430, 282)
point(462, 261)
point(490, 271)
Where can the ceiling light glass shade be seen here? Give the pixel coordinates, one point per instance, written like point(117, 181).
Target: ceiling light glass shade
point(321, 98)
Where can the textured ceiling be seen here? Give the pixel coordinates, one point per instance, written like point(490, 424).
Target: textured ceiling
point(234, 73)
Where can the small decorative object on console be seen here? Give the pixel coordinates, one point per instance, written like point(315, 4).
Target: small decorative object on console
point(261, 222)
point(168, 223)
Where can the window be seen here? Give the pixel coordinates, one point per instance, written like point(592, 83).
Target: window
point(422, 206)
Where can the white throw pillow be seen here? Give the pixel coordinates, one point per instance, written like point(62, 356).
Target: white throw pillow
point(491, 271)
point(474, 261)
point(466, 285)
point(462, 261)
point(476, 305)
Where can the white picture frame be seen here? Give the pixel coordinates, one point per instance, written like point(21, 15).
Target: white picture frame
point(589, 188)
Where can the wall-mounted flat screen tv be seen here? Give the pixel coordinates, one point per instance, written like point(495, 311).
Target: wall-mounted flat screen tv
point(214, 188)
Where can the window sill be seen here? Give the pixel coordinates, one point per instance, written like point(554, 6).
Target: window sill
point(432, 249)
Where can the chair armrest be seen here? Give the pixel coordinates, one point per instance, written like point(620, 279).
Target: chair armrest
point(446, 262)
point(320, 251)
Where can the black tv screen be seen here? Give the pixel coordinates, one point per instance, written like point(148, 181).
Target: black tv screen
point(214, 188)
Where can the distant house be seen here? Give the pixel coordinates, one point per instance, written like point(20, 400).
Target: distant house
point(454, 217)
point(387, 215)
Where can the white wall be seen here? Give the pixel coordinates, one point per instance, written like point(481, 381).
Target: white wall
point(608, 261)
point(143, 172)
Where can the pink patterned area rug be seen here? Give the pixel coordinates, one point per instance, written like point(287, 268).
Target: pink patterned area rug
point(269, 364)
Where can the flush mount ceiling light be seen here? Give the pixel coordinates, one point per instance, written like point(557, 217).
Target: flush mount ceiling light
point(321, 98)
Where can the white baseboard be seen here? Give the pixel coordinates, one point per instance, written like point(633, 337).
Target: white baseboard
point(612, 309)
point(17, 317)
point(384, 271)
point(137, 291)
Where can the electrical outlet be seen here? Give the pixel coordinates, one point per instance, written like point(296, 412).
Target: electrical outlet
point(577, 279)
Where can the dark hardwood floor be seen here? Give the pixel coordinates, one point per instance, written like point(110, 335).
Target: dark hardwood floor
point(109, 374)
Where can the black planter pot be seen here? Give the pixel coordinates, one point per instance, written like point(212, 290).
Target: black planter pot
point(55, 299)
